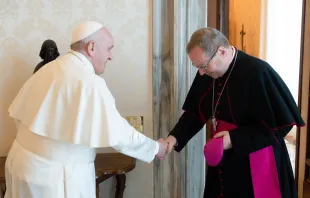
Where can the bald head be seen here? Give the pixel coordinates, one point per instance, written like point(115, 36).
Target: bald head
point(95, 42)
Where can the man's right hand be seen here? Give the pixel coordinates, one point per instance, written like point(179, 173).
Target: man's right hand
point(163, 146)
point(172, 141)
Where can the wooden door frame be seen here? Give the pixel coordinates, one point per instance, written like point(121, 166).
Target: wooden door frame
point(218, 16)
point(304, 87)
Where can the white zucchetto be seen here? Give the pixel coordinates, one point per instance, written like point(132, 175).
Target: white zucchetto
point(84, 30)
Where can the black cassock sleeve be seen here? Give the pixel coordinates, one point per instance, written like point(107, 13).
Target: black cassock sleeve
point(273, 110)
point(251, 138)
point(186, 128)
point(190, 122)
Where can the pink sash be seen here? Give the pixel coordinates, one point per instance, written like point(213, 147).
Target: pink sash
point(262, 162)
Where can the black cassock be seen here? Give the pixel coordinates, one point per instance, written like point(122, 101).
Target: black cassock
point(257, 100)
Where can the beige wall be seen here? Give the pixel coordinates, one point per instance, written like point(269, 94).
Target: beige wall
point(25, 25)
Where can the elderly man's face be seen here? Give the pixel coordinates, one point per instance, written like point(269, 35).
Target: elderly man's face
point(103, 53)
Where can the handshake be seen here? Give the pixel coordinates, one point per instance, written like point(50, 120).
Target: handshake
point(165, 146)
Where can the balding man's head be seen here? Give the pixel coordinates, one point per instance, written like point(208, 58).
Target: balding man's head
point(96, 46)
point(208, 39)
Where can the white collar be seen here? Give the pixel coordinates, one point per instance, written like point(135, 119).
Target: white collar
point(83, 59)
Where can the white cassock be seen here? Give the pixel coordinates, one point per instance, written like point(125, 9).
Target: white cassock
point(63, 112)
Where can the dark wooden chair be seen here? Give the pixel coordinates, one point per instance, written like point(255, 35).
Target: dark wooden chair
point(106, 165)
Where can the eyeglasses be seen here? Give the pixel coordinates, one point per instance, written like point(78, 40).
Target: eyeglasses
point(206, 65)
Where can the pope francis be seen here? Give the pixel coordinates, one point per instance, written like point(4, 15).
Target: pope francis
point(62, 113)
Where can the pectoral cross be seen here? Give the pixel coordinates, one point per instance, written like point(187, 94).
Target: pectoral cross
point(209, 133)
point(211, 127)
point(214, 123)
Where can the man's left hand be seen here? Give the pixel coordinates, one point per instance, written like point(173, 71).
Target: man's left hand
point(227, 142)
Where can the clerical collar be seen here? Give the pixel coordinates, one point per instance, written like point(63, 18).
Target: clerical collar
point(85, 61)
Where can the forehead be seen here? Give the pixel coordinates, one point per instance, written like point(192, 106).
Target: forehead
point(197, 55)
point(107, 36)
point(110, 40)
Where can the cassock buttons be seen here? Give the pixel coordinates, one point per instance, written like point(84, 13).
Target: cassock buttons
point(221, 173)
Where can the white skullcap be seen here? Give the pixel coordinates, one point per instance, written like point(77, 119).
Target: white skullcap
point(84, 30)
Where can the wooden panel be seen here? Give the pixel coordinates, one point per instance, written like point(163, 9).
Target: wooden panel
point(224, 17)
point(248, 14)
point(263, 30)
point(306, 190)
point(304, 95)
point(213, 14)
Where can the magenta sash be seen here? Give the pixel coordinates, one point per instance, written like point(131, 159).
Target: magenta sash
point(262, 163)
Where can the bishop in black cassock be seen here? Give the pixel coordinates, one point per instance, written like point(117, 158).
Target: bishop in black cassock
point(243, 91)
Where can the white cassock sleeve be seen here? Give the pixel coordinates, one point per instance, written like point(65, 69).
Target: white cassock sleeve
point(127, 140)
point(118, 133)
point(137, 145)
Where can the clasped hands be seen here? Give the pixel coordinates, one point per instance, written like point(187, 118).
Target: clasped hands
point(166, 146)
